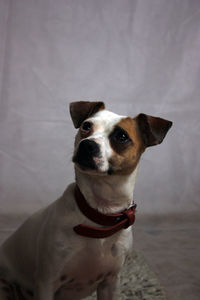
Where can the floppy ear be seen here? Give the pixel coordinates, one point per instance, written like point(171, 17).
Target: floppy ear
point(82, 110)
point(152, 129)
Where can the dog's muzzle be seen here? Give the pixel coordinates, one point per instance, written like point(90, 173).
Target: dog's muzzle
point(87, 151)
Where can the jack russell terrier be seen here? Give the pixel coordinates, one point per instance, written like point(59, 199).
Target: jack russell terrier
point(79, 243)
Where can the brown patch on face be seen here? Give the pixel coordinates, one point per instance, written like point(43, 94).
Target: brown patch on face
point(127, 144)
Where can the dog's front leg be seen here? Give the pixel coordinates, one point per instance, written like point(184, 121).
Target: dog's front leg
point(43, 291)
point(109, 289)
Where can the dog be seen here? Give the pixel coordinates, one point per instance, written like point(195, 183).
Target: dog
point(79, 243)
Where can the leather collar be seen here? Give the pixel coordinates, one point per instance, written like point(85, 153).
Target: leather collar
point(112, 222)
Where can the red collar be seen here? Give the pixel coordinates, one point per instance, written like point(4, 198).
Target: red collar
point(112, 222)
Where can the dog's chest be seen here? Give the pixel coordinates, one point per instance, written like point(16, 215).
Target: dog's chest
point(88, 267)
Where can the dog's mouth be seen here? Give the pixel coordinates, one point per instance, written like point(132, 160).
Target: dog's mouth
point(85, 163)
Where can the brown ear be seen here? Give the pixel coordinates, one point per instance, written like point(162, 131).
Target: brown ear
point(82, 110)
point(152, 129)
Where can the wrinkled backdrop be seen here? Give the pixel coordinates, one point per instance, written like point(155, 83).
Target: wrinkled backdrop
point(137, 56)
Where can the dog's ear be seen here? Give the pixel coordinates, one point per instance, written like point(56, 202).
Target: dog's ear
point(152, 129)
point(82, 110)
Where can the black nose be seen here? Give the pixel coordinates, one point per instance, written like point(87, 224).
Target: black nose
point(89, 147)
point(86, 151)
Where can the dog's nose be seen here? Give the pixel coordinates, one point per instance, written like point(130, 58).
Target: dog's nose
point(86, 153)
point(89, 147)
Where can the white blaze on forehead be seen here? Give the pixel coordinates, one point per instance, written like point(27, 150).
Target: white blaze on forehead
point(104, 121)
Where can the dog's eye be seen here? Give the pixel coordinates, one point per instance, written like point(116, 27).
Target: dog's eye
point(120, 136)
point(86, 126)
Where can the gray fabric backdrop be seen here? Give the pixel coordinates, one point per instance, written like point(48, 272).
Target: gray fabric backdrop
point(137, 56)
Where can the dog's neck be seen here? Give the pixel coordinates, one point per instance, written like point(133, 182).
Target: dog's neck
point(108, 194)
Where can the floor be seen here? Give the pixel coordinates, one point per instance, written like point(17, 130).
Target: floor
point(170, 244)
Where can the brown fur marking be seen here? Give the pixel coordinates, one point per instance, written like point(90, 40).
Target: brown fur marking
point(130, 152)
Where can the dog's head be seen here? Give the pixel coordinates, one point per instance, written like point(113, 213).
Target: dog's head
point(108, 143)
